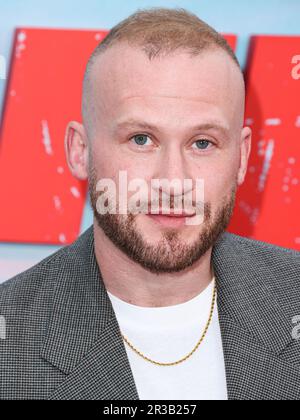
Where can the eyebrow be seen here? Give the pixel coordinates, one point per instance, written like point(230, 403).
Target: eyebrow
point(131, 123)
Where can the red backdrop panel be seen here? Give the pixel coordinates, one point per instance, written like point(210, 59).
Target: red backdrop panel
point(40, 201)
point(268, 205)
point(232, 40)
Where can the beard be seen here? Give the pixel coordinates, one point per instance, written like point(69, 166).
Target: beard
point(171, 254)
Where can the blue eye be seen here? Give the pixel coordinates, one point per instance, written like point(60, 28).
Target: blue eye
point(140, 139)
point(202, 144)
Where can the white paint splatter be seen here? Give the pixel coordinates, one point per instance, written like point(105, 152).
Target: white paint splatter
point(261, 147)
point(254, 216)
point(292, 161)
point(252, 213)
point(245, 207)
point(297, 123)
point(46, 138)
point(273, 122)
point(75, 192)
point(60, 170)
point(57, 202)
point(22, 36)
point(21, 46)
point(249, 121)
point(98, 37)
point(285, 188)
point(266, 165)
point(62, 238)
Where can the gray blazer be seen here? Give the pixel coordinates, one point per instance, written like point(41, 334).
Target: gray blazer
point(63, 339)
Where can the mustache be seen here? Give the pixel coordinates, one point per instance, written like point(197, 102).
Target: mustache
point(138, 197)
point(144, 204)
point(166, 204)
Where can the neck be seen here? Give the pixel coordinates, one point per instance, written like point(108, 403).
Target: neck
point(133, 284)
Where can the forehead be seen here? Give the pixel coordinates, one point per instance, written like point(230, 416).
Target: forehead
point(124, 76)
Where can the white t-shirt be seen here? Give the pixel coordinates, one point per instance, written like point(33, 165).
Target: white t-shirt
point(167, 334)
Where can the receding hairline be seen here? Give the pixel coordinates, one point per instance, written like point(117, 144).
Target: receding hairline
point(159, 32)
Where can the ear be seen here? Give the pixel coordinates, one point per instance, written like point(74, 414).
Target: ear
point(76, 150)
point(245, 147)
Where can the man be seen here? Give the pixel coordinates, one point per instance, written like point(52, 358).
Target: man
point(129, 311)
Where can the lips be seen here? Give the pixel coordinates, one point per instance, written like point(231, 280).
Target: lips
point(171, 213)
point(171, 220)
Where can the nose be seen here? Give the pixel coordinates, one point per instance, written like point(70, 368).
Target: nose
point(172, 166)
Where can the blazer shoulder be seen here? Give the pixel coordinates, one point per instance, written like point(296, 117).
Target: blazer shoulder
point(33, 281)
point(276, 266)
point(43, 276)
point(256, 247)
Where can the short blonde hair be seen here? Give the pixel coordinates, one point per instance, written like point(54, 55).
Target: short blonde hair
point(160, 31)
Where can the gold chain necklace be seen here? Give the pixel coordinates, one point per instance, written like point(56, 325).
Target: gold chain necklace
point(194, 349)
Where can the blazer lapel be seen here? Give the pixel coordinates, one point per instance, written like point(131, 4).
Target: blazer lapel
point(83, 338)
point(253, 372)
point(255, 330)
point(103, 374)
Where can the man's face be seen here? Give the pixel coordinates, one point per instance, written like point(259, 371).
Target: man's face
point(176, 117)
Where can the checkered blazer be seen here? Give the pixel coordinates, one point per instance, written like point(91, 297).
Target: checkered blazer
point(63, 339)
